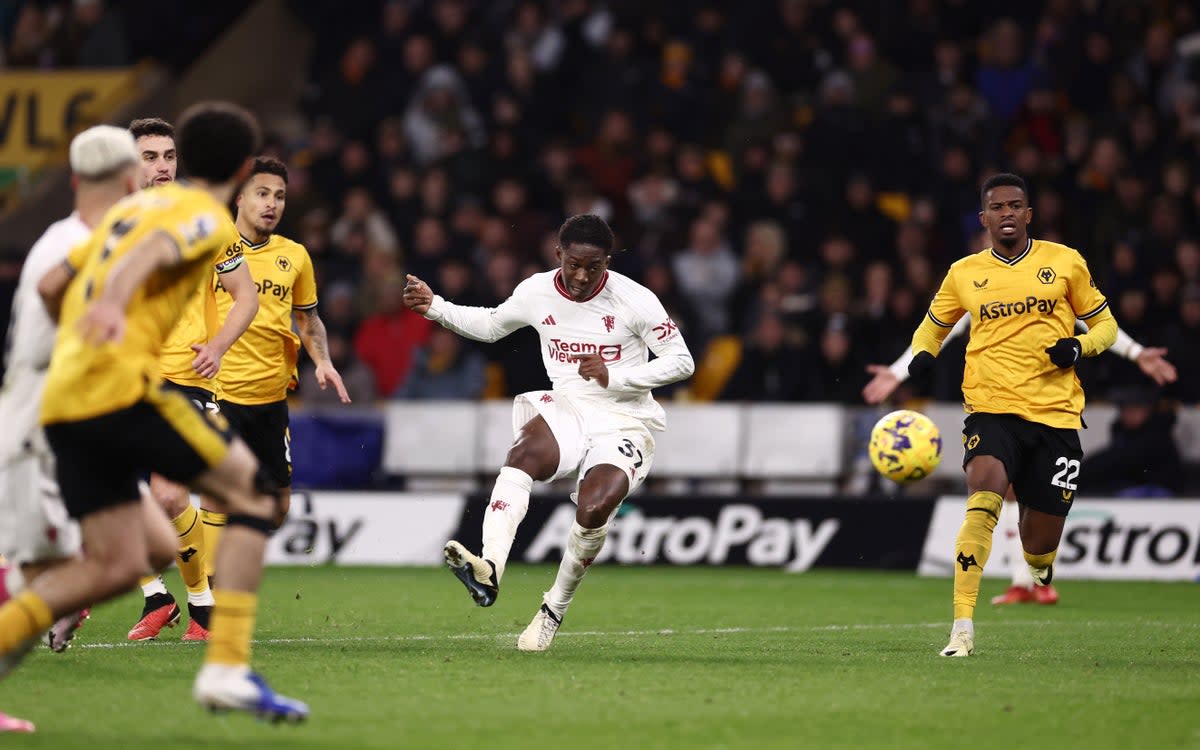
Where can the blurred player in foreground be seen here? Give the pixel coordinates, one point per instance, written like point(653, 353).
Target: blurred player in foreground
point(107, 416)
point(597, 330)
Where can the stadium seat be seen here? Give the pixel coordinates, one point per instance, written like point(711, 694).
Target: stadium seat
point(700, 441)
point(786, 441)
point(430, 437)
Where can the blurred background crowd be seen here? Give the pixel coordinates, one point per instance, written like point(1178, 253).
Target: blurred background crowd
point(791, 177)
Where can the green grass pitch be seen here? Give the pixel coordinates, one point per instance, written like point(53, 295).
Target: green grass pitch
point(647, 658)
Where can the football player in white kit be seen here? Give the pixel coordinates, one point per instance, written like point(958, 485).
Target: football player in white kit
point(597, 330)
point(36, 533)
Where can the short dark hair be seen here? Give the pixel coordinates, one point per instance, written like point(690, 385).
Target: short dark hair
point(270, 165)
point(1003, 179)
point(215, 139)
point(145, 126)
point(586, 229)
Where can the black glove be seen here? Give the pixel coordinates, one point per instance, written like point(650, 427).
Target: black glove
point(921, 365)
point(1066, 352)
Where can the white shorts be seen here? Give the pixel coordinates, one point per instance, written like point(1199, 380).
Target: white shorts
point(588, 436)
point(34, 524)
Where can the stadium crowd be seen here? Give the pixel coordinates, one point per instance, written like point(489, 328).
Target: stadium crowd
point(794, 174)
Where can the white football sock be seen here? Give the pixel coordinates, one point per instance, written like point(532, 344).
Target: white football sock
point(582, 547)
point(203, 599)
point(506, 509)
point(154, 587)
point(964, 624)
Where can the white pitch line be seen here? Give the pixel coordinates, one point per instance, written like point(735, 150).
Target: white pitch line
point(629, 633)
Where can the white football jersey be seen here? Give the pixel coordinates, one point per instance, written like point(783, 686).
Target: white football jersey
point(622, 321)
point(30, 339)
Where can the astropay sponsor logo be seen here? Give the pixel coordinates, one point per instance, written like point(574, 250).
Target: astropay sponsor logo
point(1102, 539)
point(739, 532)
point(566, 351)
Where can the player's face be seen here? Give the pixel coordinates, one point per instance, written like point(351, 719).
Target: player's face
point(1006, 215)
point(582, 268)
point(158, 159)
point(262, 201)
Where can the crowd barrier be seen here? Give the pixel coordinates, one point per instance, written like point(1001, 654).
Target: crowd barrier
point(812, 443)
point(1104, 538)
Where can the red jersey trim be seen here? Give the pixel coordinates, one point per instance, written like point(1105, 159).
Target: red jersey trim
point(561, 288)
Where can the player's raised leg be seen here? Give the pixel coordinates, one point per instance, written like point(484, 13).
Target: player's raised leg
point(225, 681)
point(534, 454)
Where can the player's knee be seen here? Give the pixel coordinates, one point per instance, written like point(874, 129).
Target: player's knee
point(594, 512)
point(987, 474)
point(173, 498)
point(529, 457)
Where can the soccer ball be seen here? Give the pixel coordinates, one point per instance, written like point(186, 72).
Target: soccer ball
point(905, 446)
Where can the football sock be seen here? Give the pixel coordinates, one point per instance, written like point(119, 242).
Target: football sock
point(971, 548)
point(504, 513)
point(232, 625)
point(1037, 564)
point(192, 551)
point(24, 616)
point(1009, 530)
point(582, 547)
point(152, 585)
point(212, 523)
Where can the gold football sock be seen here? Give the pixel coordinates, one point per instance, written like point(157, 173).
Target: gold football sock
point(24, 616)
point(193, 550)
point(971, 548)
point(213, 524)
point(231, 627)
point(1039, 563)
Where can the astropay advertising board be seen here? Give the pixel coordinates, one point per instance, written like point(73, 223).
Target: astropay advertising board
point(1115, 539)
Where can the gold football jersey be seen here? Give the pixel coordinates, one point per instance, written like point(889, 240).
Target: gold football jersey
point(261, 365)
point(85, 381)
point(1019, 306)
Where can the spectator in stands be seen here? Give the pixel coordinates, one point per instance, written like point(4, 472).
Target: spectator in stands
point(771, 368)
point(440, 118)
point(446, 368)
point(387, 340)
point(707, 274)
point(1182, 339)
point(1142, 458)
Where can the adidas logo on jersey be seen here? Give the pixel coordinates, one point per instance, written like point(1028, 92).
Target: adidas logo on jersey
point(549, 321)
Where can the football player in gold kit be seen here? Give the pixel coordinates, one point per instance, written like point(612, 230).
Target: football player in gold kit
point(260, 367)
point(108, 417)
point(1022, 396)
point(191, 357)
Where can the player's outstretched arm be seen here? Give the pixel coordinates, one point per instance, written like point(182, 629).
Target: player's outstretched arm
point(479, 323)
point(316, 343)
point(1152, 360)
point(887, 378)
point(240, 285)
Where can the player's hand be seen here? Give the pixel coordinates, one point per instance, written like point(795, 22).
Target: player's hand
point(328, 375)
point(207, 362)
point(882, 385)
point(103, 322)
point(592, 366)
point(1065, 352)
point(921, 365)
point(1153, 361)
point(417, 295)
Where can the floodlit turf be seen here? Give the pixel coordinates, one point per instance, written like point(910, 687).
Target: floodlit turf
point(648, 658)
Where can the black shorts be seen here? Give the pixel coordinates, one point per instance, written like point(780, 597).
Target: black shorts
point(201, 397)
point(264, 427)
point(99, 460)
point(1042, 462)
